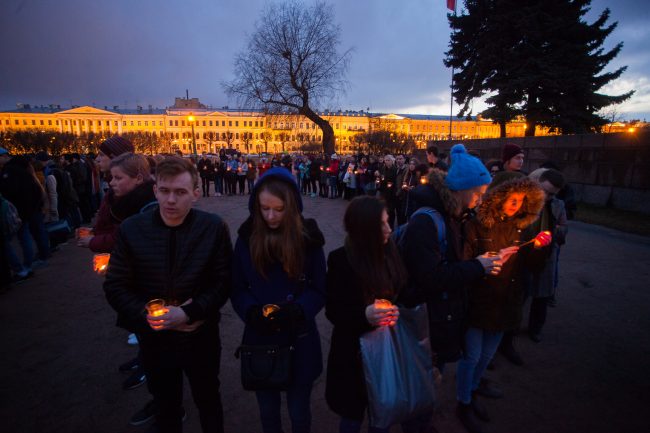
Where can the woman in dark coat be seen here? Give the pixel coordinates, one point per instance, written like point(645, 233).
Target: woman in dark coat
point(512, 203)
point(279, 260)
point(367, 268)
point(131, 190)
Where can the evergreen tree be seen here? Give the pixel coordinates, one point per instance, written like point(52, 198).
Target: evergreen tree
point(536, 58)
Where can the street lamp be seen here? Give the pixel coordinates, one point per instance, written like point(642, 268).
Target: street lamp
point(190, 119)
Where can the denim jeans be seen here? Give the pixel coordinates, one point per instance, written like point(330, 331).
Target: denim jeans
point(480, 346)
point(25, 239)
point(298, 405)
point(40, 235)
point(218, 184)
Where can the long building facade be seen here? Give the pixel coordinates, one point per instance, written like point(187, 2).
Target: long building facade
point(247, 131)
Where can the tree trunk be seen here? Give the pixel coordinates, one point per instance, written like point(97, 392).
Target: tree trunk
point(530, 128)
point(502, 129)
point(328, 131)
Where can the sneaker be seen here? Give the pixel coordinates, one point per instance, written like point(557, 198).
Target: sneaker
point(133, 340)
point(135, 380)
point(22, 275)
point(144, 415)
point(130, 365)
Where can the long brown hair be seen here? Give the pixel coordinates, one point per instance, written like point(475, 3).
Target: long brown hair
point(283, 245)
point(380, 267)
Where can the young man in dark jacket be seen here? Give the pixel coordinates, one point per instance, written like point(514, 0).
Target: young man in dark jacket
point(181, 255)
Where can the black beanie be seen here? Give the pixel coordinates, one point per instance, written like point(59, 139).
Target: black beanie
point(116, 146)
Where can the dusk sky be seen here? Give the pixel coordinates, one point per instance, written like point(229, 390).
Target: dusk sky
point(141, 52)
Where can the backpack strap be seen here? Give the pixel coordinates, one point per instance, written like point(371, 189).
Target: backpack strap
point(439, 222)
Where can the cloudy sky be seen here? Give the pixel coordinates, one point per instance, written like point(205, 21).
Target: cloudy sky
point(141, 52)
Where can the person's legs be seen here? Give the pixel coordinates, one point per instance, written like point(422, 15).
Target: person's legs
point(490, 343)
point(537, 317)
point(467, 365)
point(299, 406)
point(204, 382)
point(39, 233)
point(12, 258)
point(25, 239)
point(165, 382)
point(269, 404)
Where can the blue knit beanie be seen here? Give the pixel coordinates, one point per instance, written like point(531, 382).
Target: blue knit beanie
point(466, 171)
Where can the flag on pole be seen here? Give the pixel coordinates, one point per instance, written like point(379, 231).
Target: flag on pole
point(451, 5)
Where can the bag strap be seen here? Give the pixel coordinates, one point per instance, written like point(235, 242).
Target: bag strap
point(439, 222)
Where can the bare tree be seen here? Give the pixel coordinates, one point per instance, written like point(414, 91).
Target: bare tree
point(291, 63)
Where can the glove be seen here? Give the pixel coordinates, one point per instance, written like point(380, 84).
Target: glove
point(543, 239)
point(261, 324)
point(289, 318)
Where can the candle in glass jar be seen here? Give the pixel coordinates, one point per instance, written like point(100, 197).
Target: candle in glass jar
point(156, 307)
point(100, 263)
point(269, 309)
point(383, 303)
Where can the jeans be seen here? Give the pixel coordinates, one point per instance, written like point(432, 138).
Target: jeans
point(40, 235)
point(298, 405)
point(480, 346)
point(218, 184)
point(251, 184)
point(25, 240)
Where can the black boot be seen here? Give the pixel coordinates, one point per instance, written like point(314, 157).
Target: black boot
point(479, 409)
point(466, 415)
point(507, 349)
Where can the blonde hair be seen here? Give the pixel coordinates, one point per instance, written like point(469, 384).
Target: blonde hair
point(133, 165)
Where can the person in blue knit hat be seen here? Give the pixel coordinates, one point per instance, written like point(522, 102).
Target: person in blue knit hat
point(438, 273)
point(278, 289)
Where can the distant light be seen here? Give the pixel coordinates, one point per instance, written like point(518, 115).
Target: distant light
point(190, 118)
point(631, 130)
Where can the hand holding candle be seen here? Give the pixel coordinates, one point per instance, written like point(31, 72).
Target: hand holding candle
point(382, 313)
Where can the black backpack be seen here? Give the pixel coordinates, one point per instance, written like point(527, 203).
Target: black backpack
point(399, 234)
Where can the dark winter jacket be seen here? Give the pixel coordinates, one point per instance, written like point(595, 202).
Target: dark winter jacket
point(151, 260)
point(439, 280)
point(21, 188)
point(345, 308)
point(495, 301)
point(252, 290)
point(205, 168)
point(112, 211)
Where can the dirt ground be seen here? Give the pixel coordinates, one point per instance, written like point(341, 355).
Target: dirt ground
point(60, 348)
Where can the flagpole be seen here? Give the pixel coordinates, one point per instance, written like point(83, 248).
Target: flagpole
point(451, 102)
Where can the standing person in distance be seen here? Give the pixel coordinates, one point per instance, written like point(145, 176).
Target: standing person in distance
point(279, 260)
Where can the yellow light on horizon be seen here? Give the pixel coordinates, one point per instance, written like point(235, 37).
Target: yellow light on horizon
point(631, 130)
point(190, 118)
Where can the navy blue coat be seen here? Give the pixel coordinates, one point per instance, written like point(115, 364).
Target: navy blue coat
point(251, 289)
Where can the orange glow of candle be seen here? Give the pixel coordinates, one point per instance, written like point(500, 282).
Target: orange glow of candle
point(269, 309)
point(100, 263)
point(423, 180)
point(383, 303)
point(83, 232)
point(156, 307)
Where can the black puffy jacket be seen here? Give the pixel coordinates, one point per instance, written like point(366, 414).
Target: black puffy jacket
point(151, 260)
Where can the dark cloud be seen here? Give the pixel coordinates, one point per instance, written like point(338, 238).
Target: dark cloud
point(147, 52)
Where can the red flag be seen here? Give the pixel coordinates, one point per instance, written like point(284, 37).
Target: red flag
point(451, 5)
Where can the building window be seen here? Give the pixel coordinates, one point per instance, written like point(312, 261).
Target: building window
point(204, 123)
point(223, 123)
point(124, 123)
point(171, 123)
point(115, 123)
point(42, 123)
point(33, 122)
point(146, 123)
point(237, 135)
point(74, 122)
point(210, 122)
point(17, 122)
point(237, 123)
point(230, 123)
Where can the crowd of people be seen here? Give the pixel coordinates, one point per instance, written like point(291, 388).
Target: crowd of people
point(475, 241)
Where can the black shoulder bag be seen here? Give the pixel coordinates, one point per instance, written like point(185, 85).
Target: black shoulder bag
point(268, 367)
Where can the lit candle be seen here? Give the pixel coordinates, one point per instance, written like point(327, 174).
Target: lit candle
point(156, 307)
point(383, 303)
point(389, 184)
point(423, 180)
point(84, 232)
point(100, 263)
point(269, 309)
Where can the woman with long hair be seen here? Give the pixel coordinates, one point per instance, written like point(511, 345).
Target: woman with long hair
point(279, 263)
point(366, 269)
